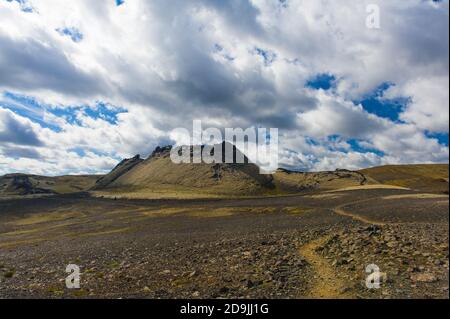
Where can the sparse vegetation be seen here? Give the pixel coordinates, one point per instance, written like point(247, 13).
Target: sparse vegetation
point(158, 177)
point(432, 178)
point(9, 273)
point(34, 185)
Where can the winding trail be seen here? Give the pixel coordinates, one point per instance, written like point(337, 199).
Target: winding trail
point(326, 284)
point(340, 211)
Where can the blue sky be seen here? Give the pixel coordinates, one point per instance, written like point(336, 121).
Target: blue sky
point(83, 86)
point(32, 109)
point(322, 81)
point(73, 33)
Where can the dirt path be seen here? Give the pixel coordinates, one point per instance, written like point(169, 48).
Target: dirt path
point(340, 211)
point(325, 283)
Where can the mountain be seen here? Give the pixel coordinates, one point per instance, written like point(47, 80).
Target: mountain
point(432, 178)
point(121, 168)
point(25, 184)
point(159, 176)
point(294, 182)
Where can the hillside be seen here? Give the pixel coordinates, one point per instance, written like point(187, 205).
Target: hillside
point(432, 178)
point(121, 168)
point(24, 184)
point(294, 182)
point(159, 176)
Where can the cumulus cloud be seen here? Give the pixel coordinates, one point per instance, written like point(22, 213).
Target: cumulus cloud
point(334, 115)
point(17, 130)
point(237, 63)
point(429, 100)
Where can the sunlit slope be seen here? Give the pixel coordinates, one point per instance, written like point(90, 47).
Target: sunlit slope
point(121, 168)
point(432, 178)
point(159, 175)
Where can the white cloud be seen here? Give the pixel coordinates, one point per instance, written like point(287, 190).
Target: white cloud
point(428, 108)
point(334, 115)
point(231, 64)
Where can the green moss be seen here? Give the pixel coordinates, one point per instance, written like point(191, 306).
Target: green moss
point(79, 293)
point(56, 291)
point(10, 273)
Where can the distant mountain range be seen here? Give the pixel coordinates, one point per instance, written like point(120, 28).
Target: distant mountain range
point(157, 176)
point(25, 184)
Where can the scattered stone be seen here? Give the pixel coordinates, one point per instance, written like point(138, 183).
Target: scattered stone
point(424, 277)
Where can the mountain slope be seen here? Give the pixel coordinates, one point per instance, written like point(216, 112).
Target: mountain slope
point(431, 178)
point(24, 184)
point(121, 168)
point(159, 176)
point(294, 182)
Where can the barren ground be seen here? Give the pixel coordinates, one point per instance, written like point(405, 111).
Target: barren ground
point(315, 245)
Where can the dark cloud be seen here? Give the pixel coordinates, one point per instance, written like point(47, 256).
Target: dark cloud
point(424, 34)
point(241, 15)
point(20, 152)
point(14, 131)
point(31, 65)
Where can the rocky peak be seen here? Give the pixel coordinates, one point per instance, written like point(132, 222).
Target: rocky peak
point(136, 158)
point(161, 151)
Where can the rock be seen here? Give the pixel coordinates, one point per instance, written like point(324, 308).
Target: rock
point(384, 277)
point(250, 284)
point(344, 290)
point(413, 269)
point(391, 244)
point(395, 272)
point(425, 277)
point(438, 262)
point(224, 290)
point(373, 230)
